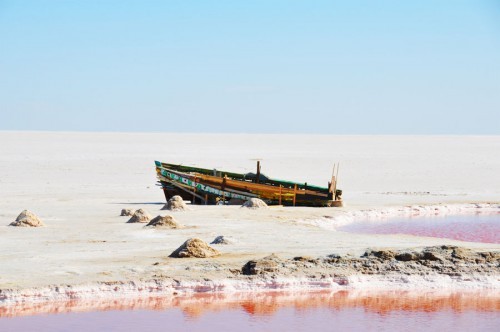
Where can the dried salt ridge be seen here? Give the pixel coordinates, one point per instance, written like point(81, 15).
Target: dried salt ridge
point(164, 222)
point(140, 216)
point(127, 212)
point(436, 268)
point(451, 261)
point(27, 219)
point(195, 248)
point(255, 203)
point(176, 203)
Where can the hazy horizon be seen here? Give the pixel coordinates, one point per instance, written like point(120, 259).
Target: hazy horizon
point(110, 131)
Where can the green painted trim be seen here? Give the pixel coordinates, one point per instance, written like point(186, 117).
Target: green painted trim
point(201, 187)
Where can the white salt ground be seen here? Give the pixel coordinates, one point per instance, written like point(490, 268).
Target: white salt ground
point(76, 182)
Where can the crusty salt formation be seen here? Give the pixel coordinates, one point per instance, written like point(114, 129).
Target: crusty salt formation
point(127, 212)
point(27, 219)
point(255, 203)
point(221, 239)
point(194, 248)
point(164, 222)
point(140, 216)
point(445, 260)
point(176, 203)
point(269, 264)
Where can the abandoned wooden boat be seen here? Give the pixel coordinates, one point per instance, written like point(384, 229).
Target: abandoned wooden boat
point(211, 186)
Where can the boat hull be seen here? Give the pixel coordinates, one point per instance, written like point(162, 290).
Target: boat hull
point(204, 186)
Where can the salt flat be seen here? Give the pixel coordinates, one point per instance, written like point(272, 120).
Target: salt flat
point(77, 183)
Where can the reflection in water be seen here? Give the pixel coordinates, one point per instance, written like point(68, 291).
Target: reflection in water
point(270, 311)
point(268, 303)
point(479, 227)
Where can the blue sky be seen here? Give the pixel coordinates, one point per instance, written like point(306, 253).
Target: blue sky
point(329, 67)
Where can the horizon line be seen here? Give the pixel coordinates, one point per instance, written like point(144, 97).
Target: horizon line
point(236, 133)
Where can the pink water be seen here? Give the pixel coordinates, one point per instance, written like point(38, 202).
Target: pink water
point(312, 311)
point(480, 227)
point(280, 311)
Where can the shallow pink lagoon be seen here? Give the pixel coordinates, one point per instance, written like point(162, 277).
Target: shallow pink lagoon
point(277, 311)
point(479, 227)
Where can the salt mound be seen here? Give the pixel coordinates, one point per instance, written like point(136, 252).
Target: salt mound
point(194, 248)
point(27, 219)
point(267, 264)
point(164, 222)
point(255, 203)
point(127, 212)
point(175, 204)
point(221, 240)
point(140, 216)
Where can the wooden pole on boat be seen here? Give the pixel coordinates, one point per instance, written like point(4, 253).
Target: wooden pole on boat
point(223, 187)
point(224, 180)
point(294, 194)
point(258, 172)
point(336, 180)
point(332, 183)
point(281, 190)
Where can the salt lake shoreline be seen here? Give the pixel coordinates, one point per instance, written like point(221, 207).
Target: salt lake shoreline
point(77, 183)
point(445, 268)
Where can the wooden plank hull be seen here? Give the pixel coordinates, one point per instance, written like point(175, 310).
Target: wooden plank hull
point(204, 186)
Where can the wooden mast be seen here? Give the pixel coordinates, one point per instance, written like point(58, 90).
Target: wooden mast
point(336, 180)
point(333, 184)
point(258, 172)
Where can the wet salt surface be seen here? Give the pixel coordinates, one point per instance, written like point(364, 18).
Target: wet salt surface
point(278, 311)
point(479, 227)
